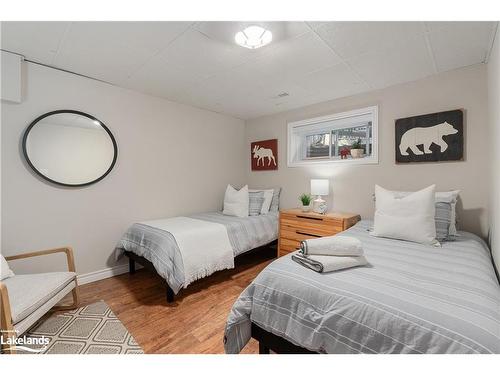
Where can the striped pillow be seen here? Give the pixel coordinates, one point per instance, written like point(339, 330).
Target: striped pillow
point(443, 219)
point(275, 203)
point(256, 199)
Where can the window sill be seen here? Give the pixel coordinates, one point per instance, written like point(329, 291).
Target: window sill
point(306, 163)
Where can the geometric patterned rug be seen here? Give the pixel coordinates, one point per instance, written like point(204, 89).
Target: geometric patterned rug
point(92, 329)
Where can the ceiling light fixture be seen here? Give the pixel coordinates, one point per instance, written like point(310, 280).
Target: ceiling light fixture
point(253, 37)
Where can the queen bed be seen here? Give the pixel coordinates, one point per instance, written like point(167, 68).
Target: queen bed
point(153, 246)
point(411, 298)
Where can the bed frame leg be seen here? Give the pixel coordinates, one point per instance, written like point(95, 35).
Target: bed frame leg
point(131, 266)
point(170, 294)
point(263, 349)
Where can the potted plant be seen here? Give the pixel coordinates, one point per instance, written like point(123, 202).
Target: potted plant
point(306, 202)
point(357, 150)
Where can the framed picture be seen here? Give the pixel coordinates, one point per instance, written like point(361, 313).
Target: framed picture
point(430, 138)
point(264, 155)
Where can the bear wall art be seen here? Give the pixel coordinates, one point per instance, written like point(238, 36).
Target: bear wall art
point(433, 137)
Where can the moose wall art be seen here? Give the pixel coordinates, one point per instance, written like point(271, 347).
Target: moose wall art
point(429, 138)
point(264, 155)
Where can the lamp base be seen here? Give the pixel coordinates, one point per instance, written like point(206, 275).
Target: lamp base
point(319, 205)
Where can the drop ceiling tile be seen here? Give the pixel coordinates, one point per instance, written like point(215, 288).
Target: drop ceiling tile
point(294, 29)
point(300, 102)
point(157, 78)
point(461, 44)
point(315, 25)
point(450, 25)
point(143, 36)
point(112, 66)
point(249, 109)
point(432, 26)
point(262, 109)
point(248, 74)
point(93, 49)
point(403, 64)
point(37, 41)
point(351, 39)
point(334, 82)
point(294, 57)
point(227, 86)
point(237, 105)
point(203, 56)
point(275, 93)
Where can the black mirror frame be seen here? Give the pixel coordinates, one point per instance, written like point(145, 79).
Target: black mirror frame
point(34, 122)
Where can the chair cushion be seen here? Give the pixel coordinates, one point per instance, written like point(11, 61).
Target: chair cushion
point(28, 292)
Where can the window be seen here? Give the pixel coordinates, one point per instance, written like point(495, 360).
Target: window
point(347, 137)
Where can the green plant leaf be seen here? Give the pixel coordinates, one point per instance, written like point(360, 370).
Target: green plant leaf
point(305, 199)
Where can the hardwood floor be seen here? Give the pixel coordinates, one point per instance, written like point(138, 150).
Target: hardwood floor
point(194, 322)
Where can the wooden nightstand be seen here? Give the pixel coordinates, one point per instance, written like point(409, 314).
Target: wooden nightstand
point(296, 226)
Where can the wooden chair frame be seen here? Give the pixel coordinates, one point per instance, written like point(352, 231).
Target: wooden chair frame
point(5, 311)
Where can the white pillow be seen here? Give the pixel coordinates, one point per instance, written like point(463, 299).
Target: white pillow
point(268, 198)
point(5, 271)
point(236, 201)
point(450, 197)
point(409, 217)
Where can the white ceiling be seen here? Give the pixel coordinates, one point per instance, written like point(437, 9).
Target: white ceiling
point(198, 63)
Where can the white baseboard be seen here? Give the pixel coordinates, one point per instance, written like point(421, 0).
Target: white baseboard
point(103, 274)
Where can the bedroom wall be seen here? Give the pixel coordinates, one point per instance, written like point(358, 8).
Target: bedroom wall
point(494, 121)
point(11, 88)
point(353, 185)
point(172, 160)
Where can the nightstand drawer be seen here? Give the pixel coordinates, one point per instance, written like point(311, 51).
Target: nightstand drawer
point(296, 226)
point(297, 234)
point(309, 231)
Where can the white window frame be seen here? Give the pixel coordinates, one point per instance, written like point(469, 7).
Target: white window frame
point(293, 138)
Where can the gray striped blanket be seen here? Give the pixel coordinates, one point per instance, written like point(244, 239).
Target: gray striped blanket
point(161, 249)
point(411, 298)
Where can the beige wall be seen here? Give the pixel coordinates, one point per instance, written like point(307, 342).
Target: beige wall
point(11, 88)
point(172, 160)
point(494, 112)
point(353, 185)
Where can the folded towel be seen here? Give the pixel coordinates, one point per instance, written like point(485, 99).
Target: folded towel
point(328, 263)
point(333, 245)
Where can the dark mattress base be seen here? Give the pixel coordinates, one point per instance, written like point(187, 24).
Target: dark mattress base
point(270, 342)
point(134, 258)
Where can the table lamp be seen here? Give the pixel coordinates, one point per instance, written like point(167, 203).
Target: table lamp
point(319, 187)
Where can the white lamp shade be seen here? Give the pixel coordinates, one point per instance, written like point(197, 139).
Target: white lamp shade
point(320, 187)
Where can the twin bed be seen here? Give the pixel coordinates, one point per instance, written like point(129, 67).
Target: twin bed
point(412, 298)
point(153, 247)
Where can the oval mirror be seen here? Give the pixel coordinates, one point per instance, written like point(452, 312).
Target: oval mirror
point(69, 148)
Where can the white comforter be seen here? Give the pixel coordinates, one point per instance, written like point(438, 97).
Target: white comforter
point(204, 246)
